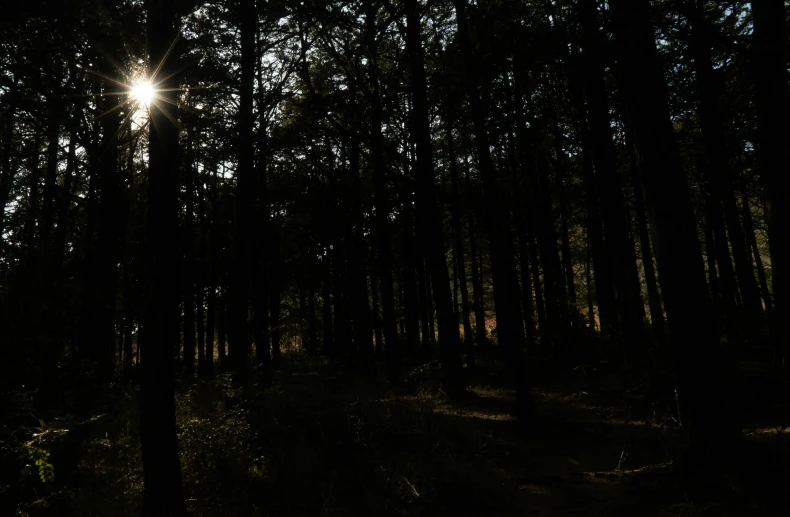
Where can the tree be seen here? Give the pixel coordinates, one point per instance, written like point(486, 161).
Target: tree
point(163, 494)
point(695, 344)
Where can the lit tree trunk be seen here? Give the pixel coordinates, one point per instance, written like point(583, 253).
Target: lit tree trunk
point(163, 495)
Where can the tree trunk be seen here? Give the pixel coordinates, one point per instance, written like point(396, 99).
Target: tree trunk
point(222, 326)
point(430, 215)
point(751, 241)
point(7, 173)
point(360, 305)
point(690, 317)
point(411, 299)
point(382, 202)
point(717, 162)
point(163, 495)
point(458, 242)
point(477, 276)
point(505, 277)
point(657, 321)
point(619, 246)
point(188, 271)
point(771, 99)
point(238, 333)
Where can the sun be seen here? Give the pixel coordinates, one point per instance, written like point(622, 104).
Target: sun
point(142, 92)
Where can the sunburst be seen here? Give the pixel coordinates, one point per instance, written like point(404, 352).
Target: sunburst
point(142, 92)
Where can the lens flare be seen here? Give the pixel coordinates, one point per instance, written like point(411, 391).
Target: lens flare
point(143, 92)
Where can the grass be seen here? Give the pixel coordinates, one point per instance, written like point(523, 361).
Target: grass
point(322, 441)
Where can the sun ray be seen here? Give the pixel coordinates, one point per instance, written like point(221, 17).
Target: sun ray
point(116, 81)
point(114, 108)
point(164, 58)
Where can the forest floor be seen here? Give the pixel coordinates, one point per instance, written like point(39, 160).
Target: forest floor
point(323, 441)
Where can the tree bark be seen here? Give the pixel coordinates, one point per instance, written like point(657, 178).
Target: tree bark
point(769, 62)
point(239, 343)
point(382, 202)
point(163, 495)
point(505, 277)
point(429, 230)
point(619, 246)
point(694, 341)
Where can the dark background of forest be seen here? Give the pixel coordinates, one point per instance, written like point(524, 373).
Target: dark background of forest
point(394, 257)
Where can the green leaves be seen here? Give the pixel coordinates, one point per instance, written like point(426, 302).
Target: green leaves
point(46, 470)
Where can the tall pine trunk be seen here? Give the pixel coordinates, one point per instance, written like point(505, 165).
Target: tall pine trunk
point(163, 494)
point(429, 230)
point(507, 302)
point(694, 341)
point(771, 99)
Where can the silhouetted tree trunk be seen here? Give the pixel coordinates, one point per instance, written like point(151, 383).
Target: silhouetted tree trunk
point(458, 244)
point(477, 280)
point(54, 112)
point(360, 304)
point(751, 241)
point(65, 198)
point(381, 200)
point(771, 99)
point(411, 299)
point(503, 269)
point(222, 326)
point(602, 273)
point(312, 323)
point(200, 276)
point(588, 279)
point(429, 229)
point(261, 278)
point(162, 494)
point(7, 173)
point(246, 188)
point(276, 270)
point(374, 292)
point(692, 328)
point(328, 342)
point(619, 247)
point(188, 271)
point(657, 321)
point(98, 323)
point(717, 161)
